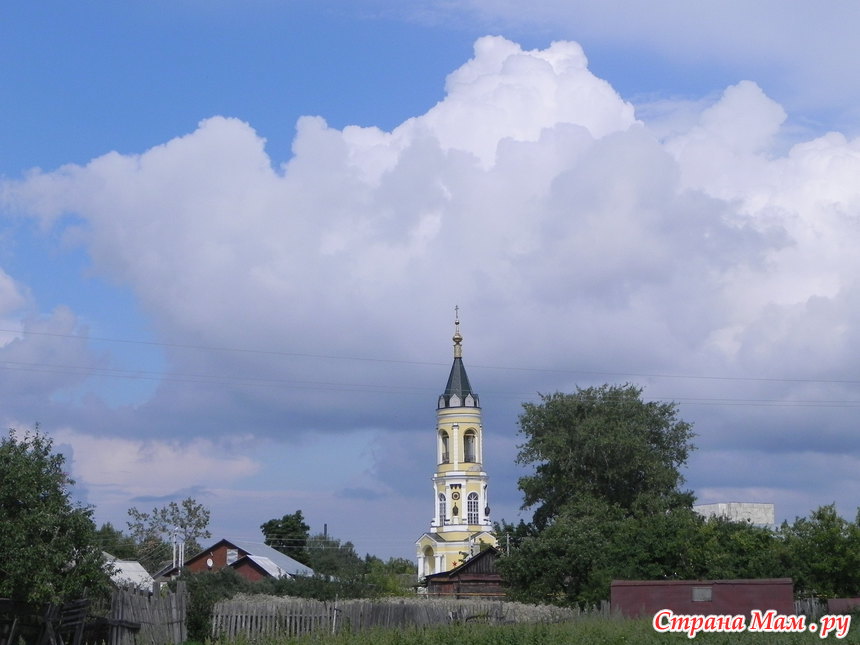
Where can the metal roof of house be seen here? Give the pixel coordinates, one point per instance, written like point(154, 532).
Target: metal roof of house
point(265, 564)
point(281, 560)
point(129, 573)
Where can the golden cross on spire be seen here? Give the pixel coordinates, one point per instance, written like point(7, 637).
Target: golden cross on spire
point(457, 337)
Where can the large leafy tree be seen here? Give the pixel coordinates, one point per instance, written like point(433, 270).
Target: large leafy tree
point(602, 443)
point(50, 551)
point(605, 485)
point(288, 535)
point(154, 532)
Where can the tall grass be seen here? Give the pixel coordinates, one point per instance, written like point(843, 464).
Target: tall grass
point(585, 631)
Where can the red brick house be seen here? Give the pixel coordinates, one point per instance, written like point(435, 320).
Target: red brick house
point(634, 598)
point(252, 560)
point(477, 577)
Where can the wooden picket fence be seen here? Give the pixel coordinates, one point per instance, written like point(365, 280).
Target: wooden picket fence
point(140, 618)
point(814, 608)
point(241, 618)
point(264, 617)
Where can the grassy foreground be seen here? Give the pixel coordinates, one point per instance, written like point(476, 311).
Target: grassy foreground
point(586, 631)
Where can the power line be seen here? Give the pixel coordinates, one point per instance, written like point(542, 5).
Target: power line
point(273, 352)
point(216, 348)
point(87, 371)
point(370, 388)
point(149, 375)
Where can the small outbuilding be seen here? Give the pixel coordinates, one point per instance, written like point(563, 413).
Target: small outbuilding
point(477, 577)
point(637, 598)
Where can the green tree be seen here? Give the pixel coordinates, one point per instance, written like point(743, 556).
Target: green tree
point(154, 532)
point(115, 542)
point(605, 488)
point(567, 562)
point(723, 550)
point(823, 553)
point(655, 540)
point(329, 556)
point(591, 542)
point(49, 547)
point(510, 536)
point(394, 577)
point(288, 535)
point(205, 589)
point(601, 442)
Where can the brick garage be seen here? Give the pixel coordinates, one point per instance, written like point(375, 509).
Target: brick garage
point(634, 598)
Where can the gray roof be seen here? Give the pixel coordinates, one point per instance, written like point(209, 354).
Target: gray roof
point(265, 564)
point(129, 573)
point(281, 560)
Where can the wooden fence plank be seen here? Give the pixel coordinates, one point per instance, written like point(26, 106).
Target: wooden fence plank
point(140, 618)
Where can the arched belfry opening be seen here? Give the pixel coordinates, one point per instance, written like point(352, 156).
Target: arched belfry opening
point(470, 445)
point(444, 447)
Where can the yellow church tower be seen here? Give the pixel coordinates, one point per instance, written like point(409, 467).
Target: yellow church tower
point(461, 518)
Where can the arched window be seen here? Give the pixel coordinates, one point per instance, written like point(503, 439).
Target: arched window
point(472, 508)
point(443, 437)
point(470, 443)
point(442, 509)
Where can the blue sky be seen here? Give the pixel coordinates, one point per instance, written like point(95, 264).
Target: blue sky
point(234, 234)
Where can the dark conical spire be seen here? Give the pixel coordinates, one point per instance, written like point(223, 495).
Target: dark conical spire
point(458, 382)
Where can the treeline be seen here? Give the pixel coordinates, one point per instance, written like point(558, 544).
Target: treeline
point(573, 560)
point(606, 490)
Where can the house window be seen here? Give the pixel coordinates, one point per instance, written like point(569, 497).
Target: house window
point(443, 436)
point(469, 444)
point(232, 555)
point(701, 594)
point(472, 508)
point(442, 509)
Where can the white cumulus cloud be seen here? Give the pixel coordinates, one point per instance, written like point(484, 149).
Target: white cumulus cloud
point(576, 237)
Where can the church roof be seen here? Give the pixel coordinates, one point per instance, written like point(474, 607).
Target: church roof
point(458, 382)
point(458, 388)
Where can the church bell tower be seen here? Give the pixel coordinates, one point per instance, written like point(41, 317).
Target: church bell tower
point(461, 507)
